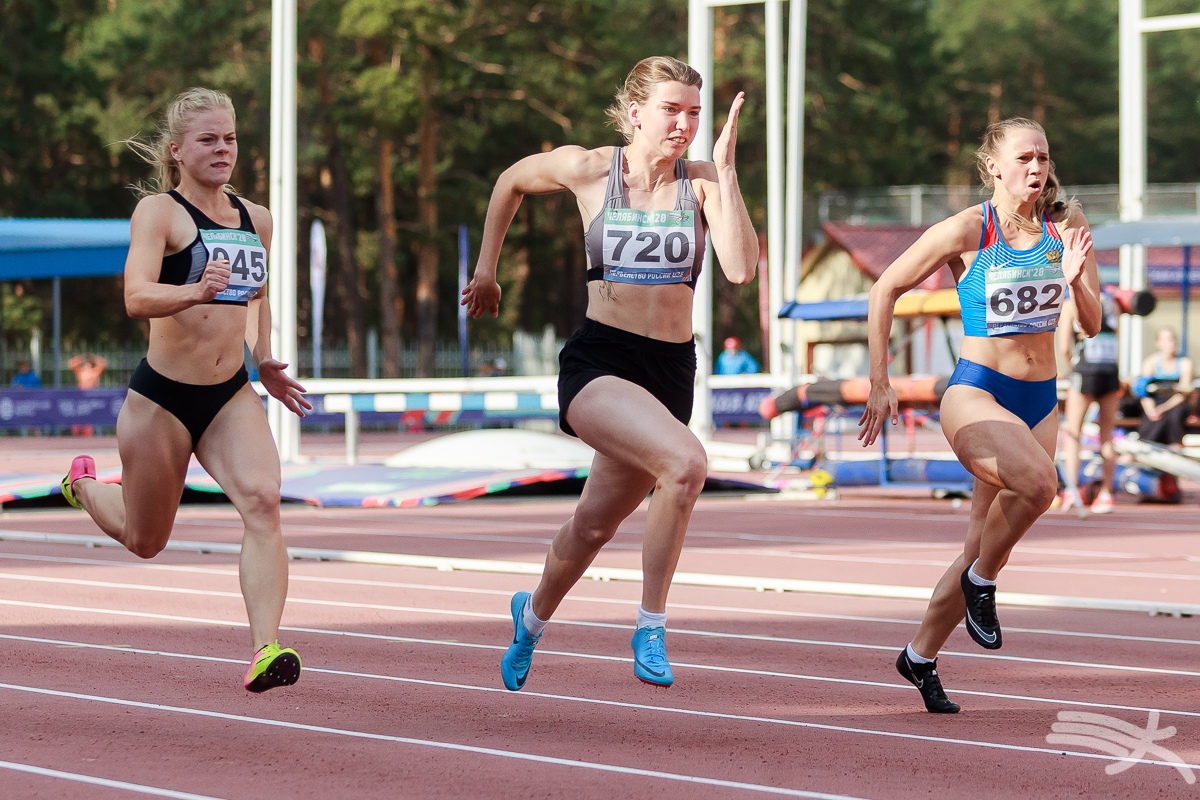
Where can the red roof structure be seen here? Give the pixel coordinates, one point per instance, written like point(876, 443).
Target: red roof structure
point(873, 247)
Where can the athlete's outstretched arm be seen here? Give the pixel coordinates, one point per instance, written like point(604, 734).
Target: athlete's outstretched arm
point(542, 173)
point(278, 383)
point(945, 240)
point(145, 297)
point(733, 237)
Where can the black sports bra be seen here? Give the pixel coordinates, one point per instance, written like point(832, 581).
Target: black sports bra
point(240, 246)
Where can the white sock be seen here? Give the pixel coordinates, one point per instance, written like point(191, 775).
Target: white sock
point(532, 624)
point(975, 579)
point(916, 658)
point(645, 619)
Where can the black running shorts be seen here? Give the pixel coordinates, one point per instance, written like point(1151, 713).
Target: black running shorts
point(665, 369)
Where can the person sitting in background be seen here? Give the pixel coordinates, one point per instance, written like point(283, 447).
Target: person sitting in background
point(733, 360)
point(26, 378)
point(1165, 409)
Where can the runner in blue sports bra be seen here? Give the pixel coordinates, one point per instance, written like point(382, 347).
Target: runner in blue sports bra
point(197, 269)
point(626, 377)
point(1014, 258)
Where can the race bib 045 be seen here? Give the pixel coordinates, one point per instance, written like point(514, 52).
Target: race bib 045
point(247, 262)
point(648, 247)
point(1023, 299)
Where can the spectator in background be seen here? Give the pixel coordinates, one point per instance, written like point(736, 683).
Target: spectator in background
point(1164, 387)
point(88, 369)
point(733, 360)
point(26, 378)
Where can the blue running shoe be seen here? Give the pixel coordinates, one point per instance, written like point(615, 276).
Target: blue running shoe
point(514, 666)
point(650, 663)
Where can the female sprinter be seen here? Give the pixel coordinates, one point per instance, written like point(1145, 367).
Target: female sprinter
point(1014, 258)
point(626, 377)
point(197, 269)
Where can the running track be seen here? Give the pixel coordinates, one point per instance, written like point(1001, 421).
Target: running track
point(121, 678)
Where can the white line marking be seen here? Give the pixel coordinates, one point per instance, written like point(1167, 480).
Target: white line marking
point(568, 698)
point(130, 787)
point(577, 623)
point(462, 748)
point(545, 652)
point(232, 573)
point(445, 564)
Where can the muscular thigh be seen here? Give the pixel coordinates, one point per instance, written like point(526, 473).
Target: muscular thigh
point(155, 451)
point(237, 449)
point(992, 442)
point(627, 424)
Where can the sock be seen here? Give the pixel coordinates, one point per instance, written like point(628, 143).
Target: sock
point(975, 579)
point(534, 625)
point(915, 658)
point(645, 619)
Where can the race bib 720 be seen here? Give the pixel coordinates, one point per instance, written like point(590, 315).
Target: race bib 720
point(648, 247)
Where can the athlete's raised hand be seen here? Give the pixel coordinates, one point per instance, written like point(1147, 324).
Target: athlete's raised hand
point(727, 141)
point(482, 296)
point(1077, 243)
point(214, 280)
point(283, 387)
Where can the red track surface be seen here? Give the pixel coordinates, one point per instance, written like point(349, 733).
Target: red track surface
point(129, 671)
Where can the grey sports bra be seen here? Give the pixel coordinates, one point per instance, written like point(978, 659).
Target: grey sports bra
point(649, 248)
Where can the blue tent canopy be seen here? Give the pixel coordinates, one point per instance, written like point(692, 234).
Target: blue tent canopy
point(62, 248)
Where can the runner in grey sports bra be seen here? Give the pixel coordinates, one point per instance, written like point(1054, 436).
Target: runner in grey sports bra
point(650, 248)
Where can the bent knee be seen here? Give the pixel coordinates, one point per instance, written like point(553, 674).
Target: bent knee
point(147, 546)
point(1039, 487)
point(259, 502)
point(685, 475)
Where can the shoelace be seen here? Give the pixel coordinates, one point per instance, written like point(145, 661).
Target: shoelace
point(985, 608)
point(524, 653)
point(656, 652)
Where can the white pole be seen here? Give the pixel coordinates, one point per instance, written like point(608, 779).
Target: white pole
point(1132, 143)
point(797, 39)
point(700, 58)
point(285, 427)
point(776, 221)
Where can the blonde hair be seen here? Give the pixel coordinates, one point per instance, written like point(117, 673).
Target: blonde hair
point(157, 152)
point(640, 83)
point(1047, 200)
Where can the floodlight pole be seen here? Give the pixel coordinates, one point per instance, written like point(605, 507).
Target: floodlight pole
point(1133, 24)
point(285, 426)
point(783, 168)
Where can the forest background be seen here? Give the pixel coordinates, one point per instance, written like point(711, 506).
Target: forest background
point(410, 109)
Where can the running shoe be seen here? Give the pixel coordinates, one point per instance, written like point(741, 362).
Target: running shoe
point(272, 666)
point(650, 663)
point(81, 467)
point(1103, 504)
point(1072, 500)
point(514, 666)
point(925, 678)
point(981, 613)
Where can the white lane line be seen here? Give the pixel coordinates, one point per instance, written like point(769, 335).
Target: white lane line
point(140, 587)
point(111, 784)
point(1056, 752)
point(232, 573)
point(807, 677)
point(431, 743)
point(758, 583)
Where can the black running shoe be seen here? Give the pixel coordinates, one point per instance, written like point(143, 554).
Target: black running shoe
point(925, 678)
point(981, 613)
